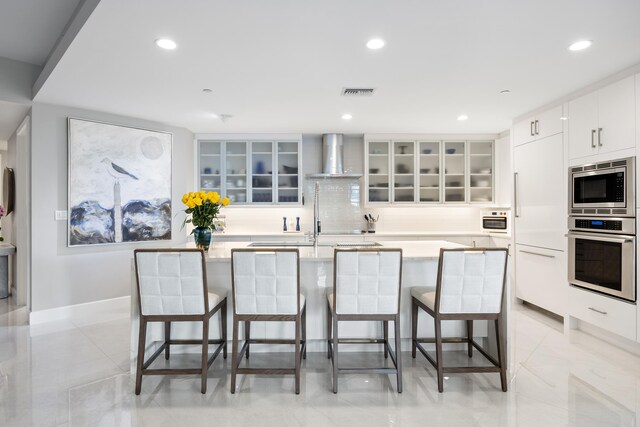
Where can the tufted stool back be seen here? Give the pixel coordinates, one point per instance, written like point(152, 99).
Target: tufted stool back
point(266, 281)
point(472, 281)
point(367, 281)
point(171, 282)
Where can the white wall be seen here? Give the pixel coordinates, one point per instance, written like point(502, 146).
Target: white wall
point(60, 275)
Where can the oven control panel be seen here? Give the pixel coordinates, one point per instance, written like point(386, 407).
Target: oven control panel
point(604, 225)
point(599, 224)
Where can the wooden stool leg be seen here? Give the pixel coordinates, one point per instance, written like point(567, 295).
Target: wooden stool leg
point(470, 337)
point(439, 361)
point(142, 338)
point(247, 335)
point(414, 327)
point(298, 355)
point(329, 320)
point(398, 352)
point(501, 354)
point(205, 353)
point(234, 354)
point(167, 338)
point(304, 331)
point(385, 329)
point(223, 327)
point(334, 353)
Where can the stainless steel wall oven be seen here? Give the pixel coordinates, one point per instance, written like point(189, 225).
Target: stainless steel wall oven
point(602, 227)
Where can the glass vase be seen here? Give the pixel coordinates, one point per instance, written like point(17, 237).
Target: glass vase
point(202, 236)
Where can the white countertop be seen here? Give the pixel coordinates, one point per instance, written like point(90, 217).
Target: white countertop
point(373, 235)
point(411, 250)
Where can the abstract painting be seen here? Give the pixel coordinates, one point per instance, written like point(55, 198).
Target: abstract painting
point(119, 184)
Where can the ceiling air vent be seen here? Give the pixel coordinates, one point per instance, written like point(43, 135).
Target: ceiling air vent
point(350, 91)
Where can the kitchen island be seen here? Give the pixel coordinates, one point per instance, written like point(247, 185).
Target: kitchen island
point(419, 268)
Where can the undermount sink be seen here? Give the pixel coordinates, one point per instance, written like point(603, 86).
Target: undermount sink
point(308, 244)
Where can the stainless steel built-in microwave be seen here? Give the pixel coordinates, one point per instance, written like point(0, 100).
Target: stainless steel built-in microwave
point(606, 188)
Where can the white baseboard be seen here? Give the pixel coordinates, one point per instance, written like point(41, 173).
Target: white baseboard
point(85, 314)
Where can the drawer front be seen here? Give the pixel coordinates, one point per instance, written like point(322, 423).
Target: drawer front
point(541, 278)
point(607, 313)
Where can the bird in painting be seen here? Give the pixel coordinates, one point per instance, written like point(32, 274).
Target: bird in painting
point(116, 171)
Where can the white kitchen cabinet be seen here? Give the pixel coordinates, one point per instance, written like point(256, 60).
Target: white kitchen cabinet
point(420, 171)
point(251, 171)
point(607, 313)
point(540, 196)
point(541, 278)
point(603, 121)
point(538, 126)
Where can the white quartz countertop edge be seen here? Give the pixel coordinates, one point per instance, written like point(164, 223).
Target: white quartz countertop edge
point(412, 250)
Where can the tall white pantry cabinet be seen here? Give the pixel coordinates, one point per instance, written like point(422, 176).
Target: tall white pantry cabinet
point(540, 211)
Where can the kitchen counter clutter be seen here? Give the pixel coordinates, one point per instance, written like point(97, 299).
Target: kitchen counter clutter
point(419, 268)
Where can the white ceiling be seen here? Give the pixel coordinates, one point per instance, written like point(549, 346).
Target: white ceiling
point(30, 28)
point(279, 65)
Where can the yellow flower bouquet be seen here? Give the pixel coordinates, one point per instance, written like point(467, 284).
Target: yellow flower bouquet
point(203, 207)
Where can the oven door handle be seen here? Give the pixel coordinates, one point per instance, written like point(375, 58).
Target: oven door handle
point(586, 236)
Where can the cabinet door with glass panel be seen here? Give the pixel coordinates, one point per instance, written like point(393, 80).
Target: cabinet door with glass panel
point(262, 172)
point(429, 171)
point(288, 173)
point(454, 171)
point(404, 171)
point(481, 171)
point(378, 177)
point(210, 166)
point(236, 171)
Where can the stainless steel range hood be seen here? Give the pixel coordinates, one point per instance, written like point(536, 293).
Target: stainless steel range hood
point(332, 154)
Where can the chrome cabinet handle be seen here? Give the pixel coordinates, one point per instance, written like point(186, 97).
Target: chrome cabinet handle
point(620, 239)
point(537, 253)
point(516, 202)
point(531, 129)
point(599, 137)
point(598, 311)
point(537, 129)
point(593, 138)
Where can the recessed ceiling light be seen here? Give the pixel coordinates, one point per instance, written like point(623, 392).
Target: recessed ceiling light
point(374, 44)
point(580, 45)
point(564, 118)
point(207, 90)
point(214, 116)
point(462, 117)
point(347, 116)
point(505, 92)
point(166, 44)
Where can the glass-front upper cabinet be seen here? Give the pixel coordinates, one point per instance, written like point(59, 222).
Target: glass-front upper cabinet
point(288, 158)
point(262, 172)
point(378, 173)
point(256, 171)
point(209, 165)
point(429, 171)
point(236, 171)
point(454, 171)
point(481, 171)
point(403, 171)
point(423, 171)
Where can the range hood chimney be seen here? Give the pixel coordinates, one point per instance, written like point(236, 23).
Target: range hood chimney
point(332, 154)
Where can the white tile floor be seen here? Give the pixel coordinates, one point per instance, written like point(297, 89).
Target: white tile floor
point(77, 375)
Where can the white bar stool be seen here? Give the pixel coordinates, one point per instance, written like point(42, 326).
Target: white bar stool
point(266, 287)
point(366, 286)
point(470, 286)
point(172, 287)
